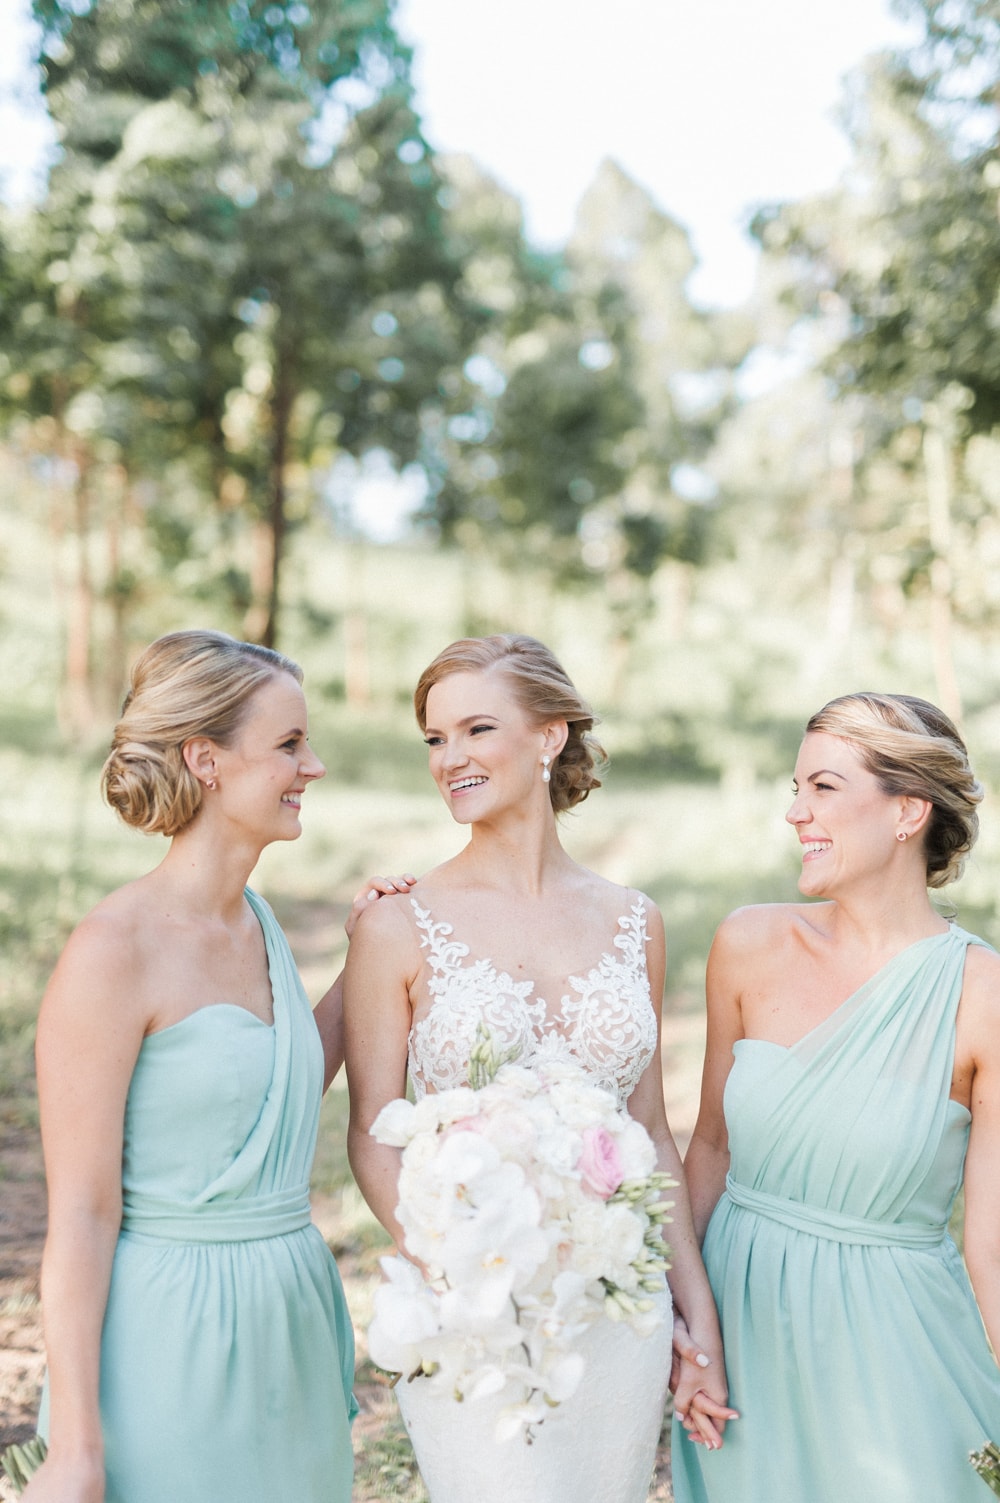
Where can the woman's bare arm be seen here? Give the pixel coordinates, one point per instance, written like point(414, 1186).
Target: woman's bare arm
point(90, 1030)
point(701, 1390)
point(329, 1010)
point(707, 1160)
point(981, 1009)
point(381, 964)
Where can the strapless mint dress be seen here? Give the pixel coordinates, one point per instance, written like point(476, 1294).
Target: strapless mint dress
point(227, 1354)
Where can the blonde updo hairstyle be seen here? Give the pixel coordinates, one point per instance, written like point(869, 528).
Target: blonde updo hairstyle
point(186, 684)
point(914, 750)
point(544, 692)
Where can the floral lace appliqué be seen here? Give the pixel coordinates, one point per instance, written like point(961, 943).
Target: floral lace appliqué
point(606, 1024)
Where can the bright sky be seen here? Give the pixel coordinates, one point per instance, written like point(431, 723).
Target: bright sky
point(713, 105)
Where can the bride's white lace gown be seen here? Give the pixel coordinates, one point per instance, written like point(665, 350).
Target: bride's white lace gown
point(599, 1446)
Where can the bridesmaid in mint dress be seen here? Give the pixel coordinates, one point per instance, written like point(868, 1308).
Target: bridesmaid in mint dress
point(199, 1348)
point(852, 1078)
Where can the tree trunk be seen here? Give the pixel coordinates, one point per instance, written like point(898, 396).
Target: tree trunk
point(121, 520)
point(271, 533)
point(77, 709)
point(938, 466)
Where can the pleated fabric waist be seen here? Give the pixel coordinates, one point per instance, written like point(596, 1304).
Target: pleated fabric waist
point(834, 1225)
point(247, 1219)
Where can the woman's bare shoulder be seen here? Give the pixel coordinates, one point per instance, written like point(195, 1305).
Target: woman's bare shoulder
point(105, 963)
point(982, 979)
point(764, 927)
point(121, 924)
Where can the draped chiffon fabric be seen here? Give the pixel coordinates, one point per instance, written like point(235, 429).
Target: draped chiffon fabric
point(855, 1352)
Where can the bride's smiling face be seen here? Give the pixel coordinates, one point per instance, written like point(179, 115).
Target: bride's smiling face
point(485, 755)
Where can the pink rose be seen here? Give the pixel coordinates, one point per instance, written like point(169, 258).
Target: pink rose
point(600, 1163)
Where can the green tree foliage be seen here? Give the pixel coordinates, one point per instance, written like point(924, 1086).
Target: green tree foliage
point(593, 379)
point(901, 266)
point(239, 269)
point(911, 243)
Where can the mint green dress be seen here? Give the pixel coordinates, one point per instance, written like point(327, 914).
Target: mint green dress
point(227, 1354)
point(855, 1352)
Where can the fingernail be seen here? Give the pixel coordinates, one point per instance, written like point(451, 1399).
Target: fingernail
point(372, 895)
point(702, 1360)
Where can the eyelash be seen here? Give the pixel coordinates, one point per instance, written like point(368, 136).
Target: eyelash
point(473, 731)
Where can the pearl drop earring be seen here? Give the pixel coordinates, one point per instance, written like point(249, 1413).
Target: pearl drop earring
point(546, 775)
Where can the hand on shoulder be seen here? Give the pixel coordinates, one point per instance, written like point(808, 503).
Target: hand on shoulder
point(371, 890)
point(383, 939)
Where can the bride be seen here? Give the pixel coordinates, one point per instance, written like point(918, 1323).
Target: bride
point(557, 963)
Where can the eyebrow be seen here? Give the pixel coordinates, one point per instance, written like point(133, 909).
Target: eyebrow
point(432, 730)
point(824, 772)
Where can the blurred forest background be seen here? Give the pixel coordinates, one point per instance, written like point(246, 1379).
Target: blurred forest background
point(252, 287)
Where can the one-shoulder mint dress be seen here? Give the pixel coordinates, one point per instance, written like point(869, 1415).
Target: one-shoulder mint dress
point(227, 1355)
point(855, 1352)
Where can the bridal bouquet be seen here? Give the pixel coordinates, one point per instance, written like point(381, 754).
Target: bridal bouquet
point(534, 1205)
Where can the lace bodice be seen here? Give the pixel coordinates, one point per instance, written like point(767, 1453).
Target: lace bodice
point(606, 1023)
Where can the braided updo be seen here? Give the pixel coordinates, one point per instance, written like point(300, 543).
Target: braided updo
point(186, 684)
point(914, 750)
point(544, 692)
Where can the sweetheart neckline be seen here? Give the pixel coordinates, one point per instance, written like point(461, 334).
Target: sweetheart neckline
point(209, 1007)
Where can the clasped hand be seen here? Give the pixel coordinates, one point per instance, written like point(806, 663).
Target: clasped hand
point(699, 1388)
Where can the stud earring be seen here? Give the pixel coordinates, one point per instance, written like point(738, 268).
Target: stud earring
point(546, 775)
point(901, 835)
point(210, 783)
